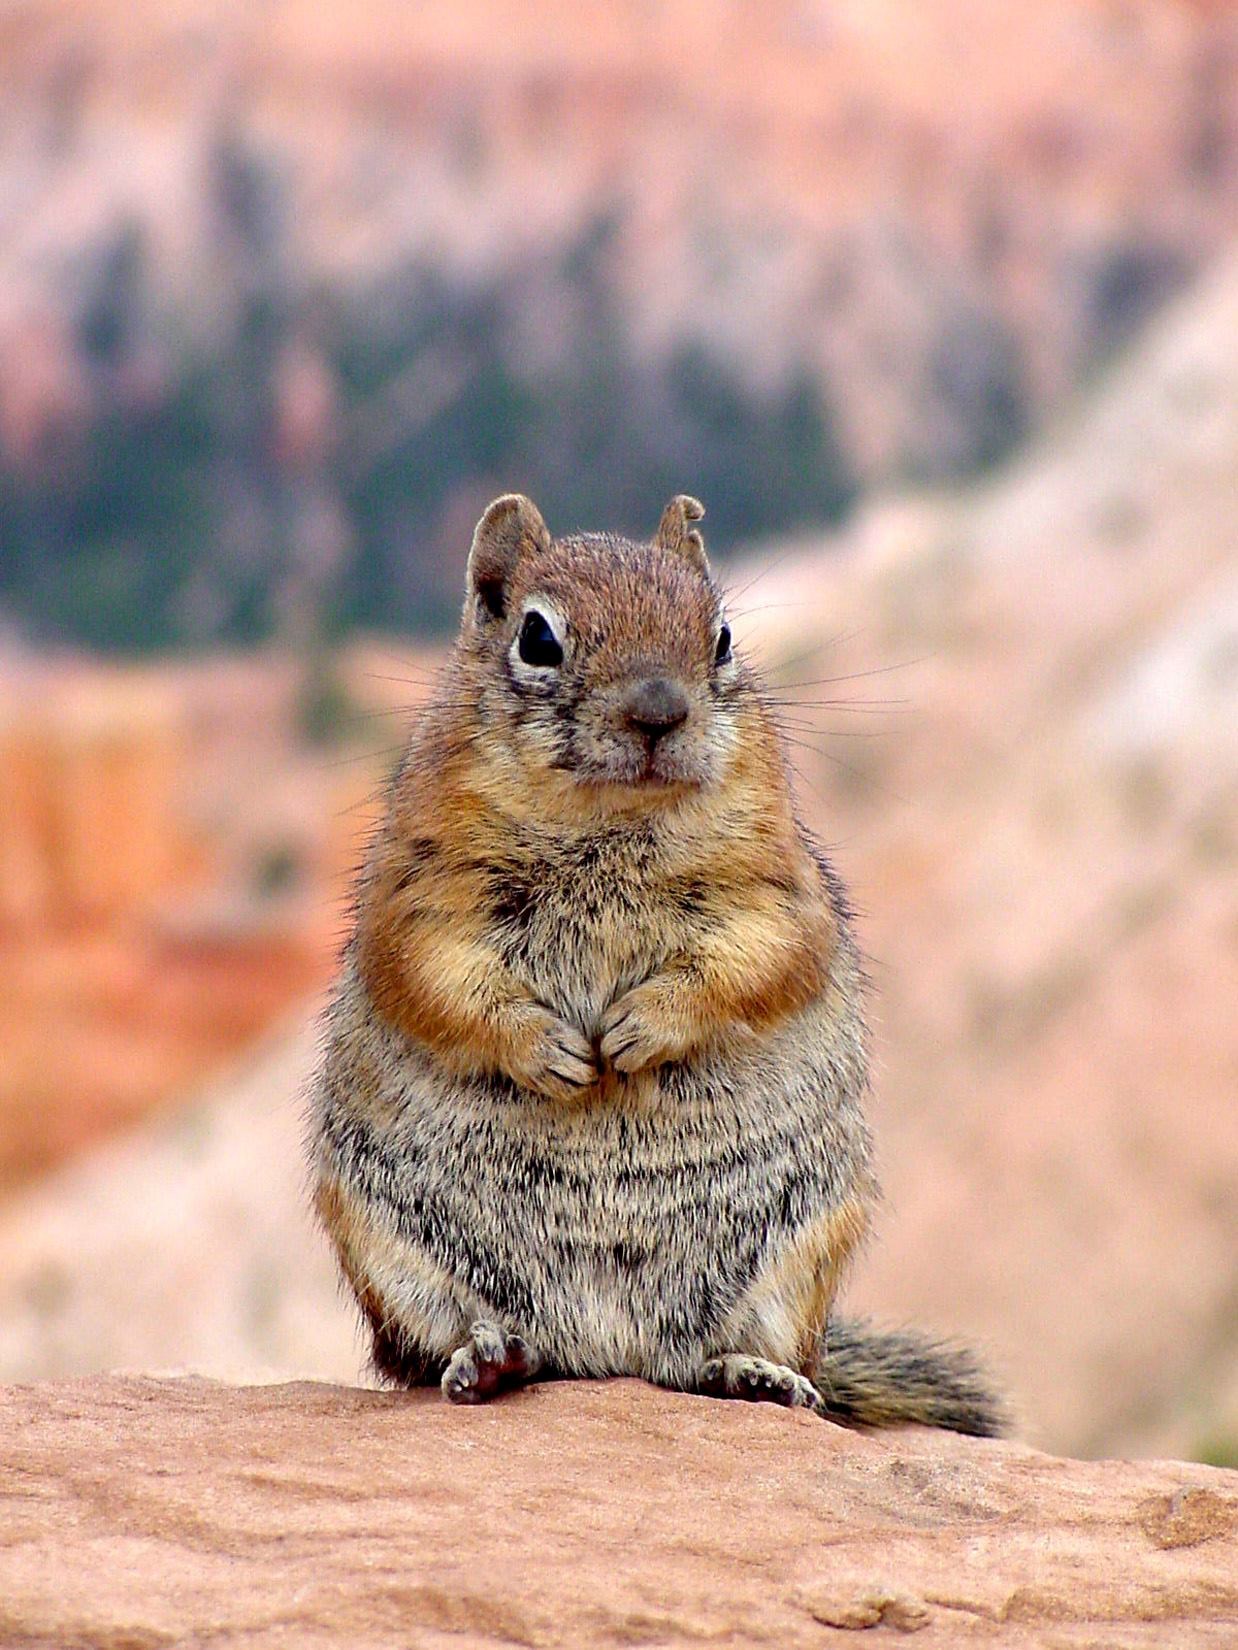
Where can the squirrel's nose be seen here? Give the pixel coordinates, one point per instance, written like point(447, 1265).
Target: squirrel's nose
point(656, 707)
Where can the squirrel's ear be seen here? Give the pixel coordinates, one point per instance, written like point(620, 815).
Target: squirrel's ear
point(510, 527)
point(676, 532)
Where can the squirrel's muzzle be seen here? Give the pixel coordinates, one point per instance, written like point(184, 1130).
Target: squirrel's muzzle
point(655, 707)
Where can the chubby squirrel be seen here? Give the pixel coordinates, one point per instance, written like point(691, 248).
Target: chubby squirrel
point(592, 1094)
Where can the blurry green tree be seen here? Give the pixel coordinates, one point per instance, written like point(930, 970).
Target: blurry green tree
point(170, 513)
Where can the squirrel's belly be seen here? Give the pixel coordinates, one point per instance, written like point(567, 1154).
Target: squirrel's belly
point(617, 1235)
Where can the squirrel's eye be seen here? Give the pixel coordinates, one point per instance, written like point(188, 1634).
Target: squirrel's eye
point(723, 650)
point(538, 645)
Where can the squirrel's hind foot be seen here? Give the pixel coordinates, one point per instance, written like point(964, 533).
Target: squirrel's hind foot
point(736, 1375)
point(488, 1363)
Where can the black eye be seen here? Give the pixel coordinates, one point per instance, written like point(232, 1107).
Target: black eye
point(537, 644)
point(723, 650)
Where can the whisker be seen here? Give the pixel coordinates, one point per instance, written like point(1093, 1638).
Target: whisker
point(867, 780)
point(385, 710)
point(766, 607)
point(770, 567)
point(803, 778)
point(427, 657)
point(858, 707)
point(858, 675)
point(839, 639)
point(836, 733)
point(411, 709)
point(368, 801)
point(355, 758)
point(405, 681)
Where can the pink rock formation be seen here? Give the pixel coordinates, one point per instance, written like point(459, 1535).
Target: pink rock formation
point(140, 1513)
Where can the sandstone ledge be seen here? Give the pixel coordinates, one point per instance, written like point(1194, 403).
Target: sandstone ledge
point(137, 1513)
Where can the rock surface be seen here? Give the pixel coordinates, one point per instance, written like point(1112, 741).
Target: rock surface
point(138, 1513)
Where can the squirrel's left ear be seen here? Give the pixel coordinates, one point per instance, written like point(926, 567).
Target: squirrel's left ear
point(510, 527)
point(676, 532)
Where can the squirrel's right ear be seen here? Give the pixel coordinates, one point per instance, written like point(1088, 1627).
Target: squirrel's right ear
point(677, 530)
point(510, 527)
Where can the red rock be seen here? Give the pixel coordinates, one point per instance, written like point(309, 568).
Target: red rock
point(140, 1513)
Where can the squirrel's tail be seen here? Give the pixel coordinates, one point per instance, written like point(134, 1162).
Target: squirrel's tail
point(875, 1378)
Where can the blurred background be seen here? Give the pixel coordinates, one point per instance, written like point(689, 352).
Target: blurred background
point(933, 302)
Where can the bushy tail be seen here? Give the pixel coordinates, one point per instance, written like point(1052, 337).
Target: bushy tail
point(875, 1378)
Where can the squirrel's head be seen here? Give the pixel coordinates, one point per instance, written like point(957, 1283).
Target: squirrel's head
point(601, 661)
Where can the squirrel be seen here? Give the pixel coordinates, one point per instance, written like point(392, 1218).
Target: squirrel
point(591, 1100)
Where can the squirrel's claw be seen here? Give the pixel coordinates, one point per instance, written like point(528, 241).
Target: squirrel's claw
point(487, 1363)
point(636, 1033)
point(560, 1061)
point(759, 1381)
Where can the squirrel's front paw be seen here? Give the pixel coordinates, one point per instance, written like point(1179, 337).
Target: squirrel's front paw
point(637, 1031)
point(556, 1059)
